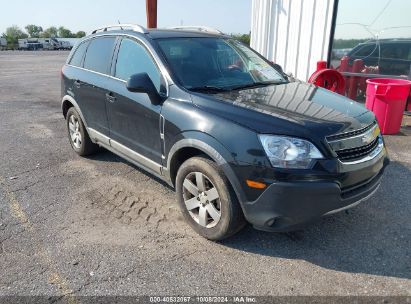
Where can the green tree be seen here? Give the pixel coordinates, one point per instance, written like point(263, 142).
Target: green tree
point(50, 32)
point(80, 34)
point(346, 43)
point(34, 30)
point(65, 33)
point(13, 34)
point(244, 38)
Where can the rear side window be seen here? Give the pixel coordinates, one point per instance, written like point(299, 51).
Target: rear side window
point(78, 55)
point(99, 55)
point(395, 51)
point(133, 58)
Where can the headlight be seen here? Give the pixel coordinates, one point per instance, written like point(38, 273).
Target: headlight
point(289, 152)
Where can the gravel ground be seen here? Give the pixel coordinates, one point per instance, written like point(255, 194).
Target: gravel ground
point(100, 226)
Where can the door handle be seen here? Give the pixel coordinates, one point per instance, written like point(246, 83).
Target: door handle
point(110, 97)
point(77, 83)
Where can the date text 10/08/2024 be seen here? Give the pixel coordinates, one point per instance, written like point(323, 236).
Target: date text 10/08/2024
point(205, 299)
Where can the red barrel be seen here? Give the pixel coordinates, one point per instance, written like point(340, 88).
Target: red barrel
point(387, 98)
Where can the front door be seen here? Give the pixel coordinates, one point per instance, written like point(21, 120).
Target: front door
point(133, 120)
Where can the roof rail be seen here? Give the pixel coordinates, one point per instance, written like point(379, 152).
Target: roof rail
point(199, 28)
point(133, 27)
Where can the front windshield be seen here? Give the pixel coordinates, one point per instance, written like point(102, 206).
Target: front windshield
point(217, 63)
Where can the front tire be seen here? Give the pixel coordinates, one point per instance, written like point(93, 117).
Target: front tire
point(206, 199)
point(78, 136)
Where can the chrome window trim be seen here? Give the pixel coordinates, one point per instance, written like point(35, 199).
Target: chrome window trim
point(150, 49)
point(87, 70)
point(118, 79)
point(158, 63)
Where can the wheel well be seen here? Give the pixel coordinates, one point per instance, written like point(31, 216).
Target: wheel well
point(180, 157)
point(66, 106)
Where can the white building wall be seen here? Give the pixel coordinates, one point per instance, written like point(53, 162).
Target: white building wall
point(293, 33)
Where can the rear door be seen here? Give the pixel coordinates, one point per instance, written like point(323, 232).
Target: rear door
point(74, 72)
point(134, 120)
point(93, 81)
point(395, 58)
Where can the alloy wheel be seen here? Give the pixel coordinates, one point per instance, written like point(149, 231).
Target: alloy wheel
point(74, 129)
point(201, 199)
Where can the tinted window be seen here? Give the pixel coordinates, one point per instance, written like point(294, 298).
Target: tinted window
point(395, 51)
point(99, 54)
point(216, 62)
point(78, 55)
point(133, 58)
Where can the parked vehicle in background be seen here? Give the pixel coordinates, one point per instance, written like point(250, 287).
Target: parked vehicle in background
point(339, 53)
point(336, 56)
point(46, 43)
point(68, 43)
point(388, 56)
point(30, 44)
point(237, 139)
point(34, 44)
point(50, 43)
point(22, 44)
point(65, 45)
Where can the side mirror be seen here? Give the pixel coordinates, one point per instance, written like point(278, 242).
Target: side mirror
point(142, 83)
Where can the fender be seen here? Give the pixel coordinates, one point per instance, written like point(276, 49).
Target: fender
point(76, 106)
point(214, 149)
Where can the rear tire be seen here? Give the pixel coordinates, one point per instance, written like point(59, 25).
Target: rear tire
point(79, 139)
point(207, 200)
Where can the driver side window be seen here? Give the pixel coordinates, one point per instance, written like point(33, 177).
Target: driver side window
point(133, 58)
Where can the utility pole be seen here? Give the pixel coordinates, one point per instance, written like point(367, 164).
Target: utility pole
point(151, 8)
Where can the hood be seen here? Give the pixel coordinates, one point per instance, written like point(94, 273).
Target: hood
point(294, 108)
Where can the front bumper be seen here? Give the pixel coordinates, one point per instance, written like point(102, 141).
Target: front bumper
point(286, 206)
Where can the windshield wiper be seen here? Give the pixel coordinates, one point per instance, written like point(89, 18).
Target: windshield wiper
point(256, 84)
point(208, 89)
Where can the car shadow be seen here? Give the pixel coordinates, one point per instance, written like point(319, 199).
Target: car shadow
point(105, 155)
point(372, 238)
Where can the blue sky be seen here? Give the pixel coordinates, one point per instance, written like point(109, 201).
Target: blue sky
point(392, 13)
point(230, 16)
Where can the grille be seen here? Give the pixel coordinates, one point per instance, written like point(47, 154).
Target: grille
point(357, 146)
point(351, 134)
point(359, 152)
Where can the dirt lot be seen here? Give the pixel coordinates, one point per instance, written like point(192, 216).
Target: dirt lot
point(100, 226)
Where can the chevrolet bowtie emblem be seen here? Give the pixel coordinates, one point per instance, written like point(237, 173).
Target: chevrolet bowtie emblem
point(369, 137)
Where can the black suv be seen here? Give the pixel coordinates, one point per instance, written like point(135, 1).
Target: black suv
point(238, 140)
point(391, 56)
